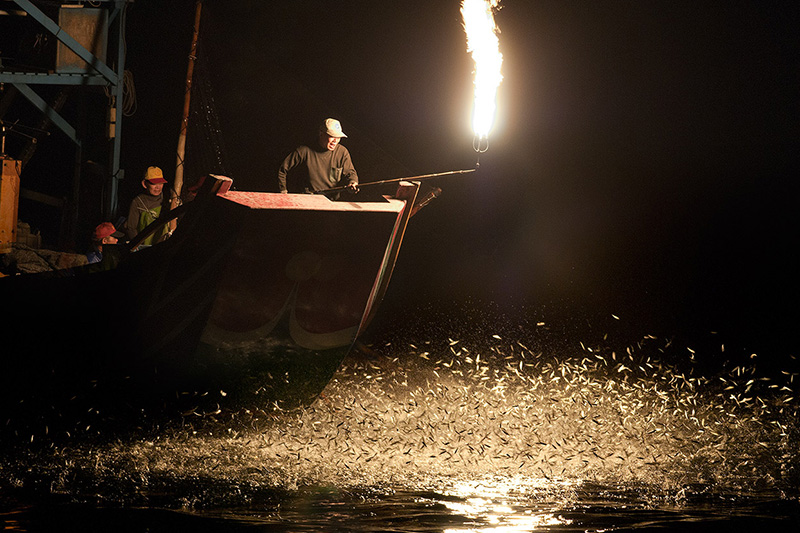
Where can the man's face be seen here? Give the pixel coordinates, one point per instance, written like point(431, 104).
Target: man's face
point(153, 189)
point(110, 239)
point(328, 142)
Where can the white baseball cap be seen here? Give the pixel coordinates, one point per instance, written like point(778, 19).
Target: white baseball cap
point(333, 128)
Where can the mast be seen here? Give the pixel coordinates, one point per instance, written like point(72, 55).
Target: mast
point(178, 184)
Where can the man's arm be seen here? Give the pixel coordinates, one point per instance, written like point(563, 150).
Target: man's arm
point(348, 170)
point(291, 161)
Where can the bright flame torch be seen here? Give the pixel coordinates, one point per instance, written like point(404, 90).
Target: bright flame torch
point(483, 44)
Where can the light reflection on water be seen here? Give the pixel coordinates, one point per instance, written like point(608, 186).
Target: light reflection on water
point(496, 435)
point(492, 502)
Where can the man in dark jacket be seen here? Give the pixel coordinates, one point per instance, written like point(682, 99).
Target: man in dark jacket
point(320, 167)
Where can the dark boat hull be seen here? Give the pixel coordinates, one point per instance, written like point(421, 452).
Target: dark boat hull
point(300, 285)
point(257, 296)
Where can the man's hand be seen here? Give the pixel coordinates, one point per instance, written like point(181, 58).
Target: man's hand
point(352, 187)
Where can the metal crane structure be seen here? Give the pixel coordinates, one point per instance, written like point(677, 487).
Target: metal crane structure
point(90, 52)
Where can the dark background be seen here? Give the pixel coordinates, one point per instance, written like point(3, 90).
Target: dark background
point(643, 162)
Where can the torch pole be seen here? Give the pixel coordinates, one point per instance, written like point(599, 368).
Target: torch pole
point(421, 177)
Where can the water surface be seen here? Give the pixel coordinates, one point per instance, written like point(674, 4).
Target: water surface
point(492, 432)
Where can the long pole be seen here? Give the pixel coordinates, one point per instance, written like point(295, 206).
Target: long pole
point(421, 177)
point(178, 184)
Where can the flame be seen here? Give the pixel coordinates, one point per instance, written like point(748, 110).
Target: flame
point(483, 44)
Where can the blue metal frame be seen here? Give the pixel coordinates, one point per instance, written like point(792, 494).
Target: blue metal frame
point(101, 74)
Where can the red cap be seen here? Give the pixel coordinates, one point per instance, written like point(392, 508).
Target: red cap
point(104, 230)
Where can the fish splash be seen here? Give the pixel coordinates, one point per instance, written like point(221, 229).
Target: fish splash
point(438, 414)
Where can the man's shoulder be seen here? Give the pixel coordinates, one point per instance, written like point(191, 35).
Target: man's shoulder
point(341, 153)
point(303, 150)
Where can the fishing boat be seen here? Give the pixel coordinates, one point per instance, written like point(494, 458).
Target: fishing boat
point(255, 295)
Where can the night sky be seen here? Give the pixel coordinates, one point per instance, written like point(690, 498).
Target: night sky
point(643, 163)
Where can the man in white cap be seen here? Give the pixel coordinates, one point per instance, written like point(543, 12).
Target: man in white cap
point(321, 167)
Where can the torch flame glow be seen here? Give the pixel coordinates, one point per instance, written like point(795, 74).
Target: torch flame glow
point(483, 44)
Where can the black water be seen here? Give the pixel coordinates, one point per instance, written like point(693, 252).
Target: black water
point(414, 512)
point(503, 427)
